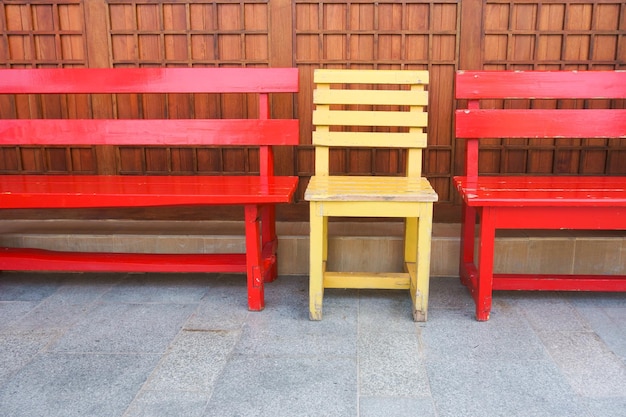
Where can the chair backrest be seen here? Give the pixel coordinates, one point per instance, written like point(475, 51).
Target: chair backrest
point(370, 109)
point(486, 117)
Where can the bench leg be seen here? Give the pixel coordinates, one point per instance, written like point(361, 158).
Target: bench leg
point(468, 230)
point(269, 239)
point(317, 260)
point(256, 300)
point(484, 279)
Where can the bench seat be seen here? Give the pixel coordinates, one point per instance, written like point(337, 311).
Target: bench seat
point(565, 191)
point(63, 191)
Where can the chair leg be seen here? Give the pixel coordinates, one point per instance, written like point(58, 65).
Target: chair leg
point(424, 237)
point(317, 260)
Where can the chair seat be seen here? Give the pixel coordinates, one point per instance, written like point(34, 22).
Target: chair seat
point(355, 188)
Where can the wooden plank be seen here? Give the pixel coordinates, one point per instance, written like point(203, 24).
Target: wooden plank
point(64, 191)
point(371, 97)
point(371, 139)
point(148, 80)
point(367, 280)
point(541, 84)
point(330, 76)
point(538, 123)
point(362, 188)
point(171, 132)
point(369, 118)
point(554, 282)
point(553, 191)
point(17, 259)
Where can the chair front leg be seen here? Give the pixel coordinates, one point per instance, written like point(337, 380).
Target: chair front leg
point(317, 260)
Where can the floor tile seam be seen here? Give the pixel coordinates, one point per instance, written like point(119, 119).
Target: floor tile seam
point(579, 314)
point(101, 353)
point(150, 303)
point(218, 375)
point(488, 361)
point(322, 355)
point(143, 390)
point(604, 345)
point(163, 356)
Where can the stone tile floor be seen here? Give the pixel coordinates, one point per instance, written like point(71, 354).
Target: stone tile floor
point(185, 345)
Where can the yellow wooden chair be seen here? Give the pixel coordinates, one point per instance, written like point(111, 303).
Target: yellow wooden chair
point(381, 109)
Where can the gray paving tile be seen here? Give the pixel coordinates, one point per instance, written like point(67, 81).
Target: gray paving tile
point(60, 310)
point(285, 387)
point(587, 363)
point(160, 288)
point(610, 324)
point(448, 292)
point(396, 407)
point(455, 334)
point(114, 328)
point(168, 404)
point(223, 306)
point(16, 350)
point(607, 407)
point(194, 361)
point(28, 286)
point(391, 364)
point(597, 299)
point(12, 311)
point(547, 311)
point(389, 311)
point(67, 385)
point(285, 330)
point(497, 388)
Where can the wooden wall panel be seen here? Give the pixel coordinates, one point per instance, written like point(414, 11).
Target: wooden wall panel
point(381, 35)
point(555, 35)
point(44, 34)
point(438, 35)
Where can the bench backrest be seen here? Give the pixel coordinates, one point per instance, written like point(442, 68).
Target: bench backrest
point(370, 109)
point(260, 131)
point(484, 117)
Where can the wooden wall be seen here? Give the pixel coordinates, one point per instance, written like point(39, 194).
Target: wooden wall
point(441, 36)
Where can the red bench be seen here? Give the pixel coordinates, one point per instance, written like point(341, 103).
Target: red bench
point(535, 202)
point(257, 193)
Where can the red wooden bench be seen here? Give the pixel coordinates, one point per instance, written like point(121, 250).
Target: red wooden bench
point(257, 193)
point(535, 202)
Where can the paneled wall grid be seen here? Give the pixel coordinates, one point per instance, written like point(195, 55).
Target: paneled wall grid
point(441, 36)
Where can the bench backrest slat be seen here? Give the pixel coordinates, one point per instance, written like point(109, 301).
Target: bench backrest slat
point(172, 132)
point(540, 84)
point(532, 121)
point(148, 80)
point(535, 123)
